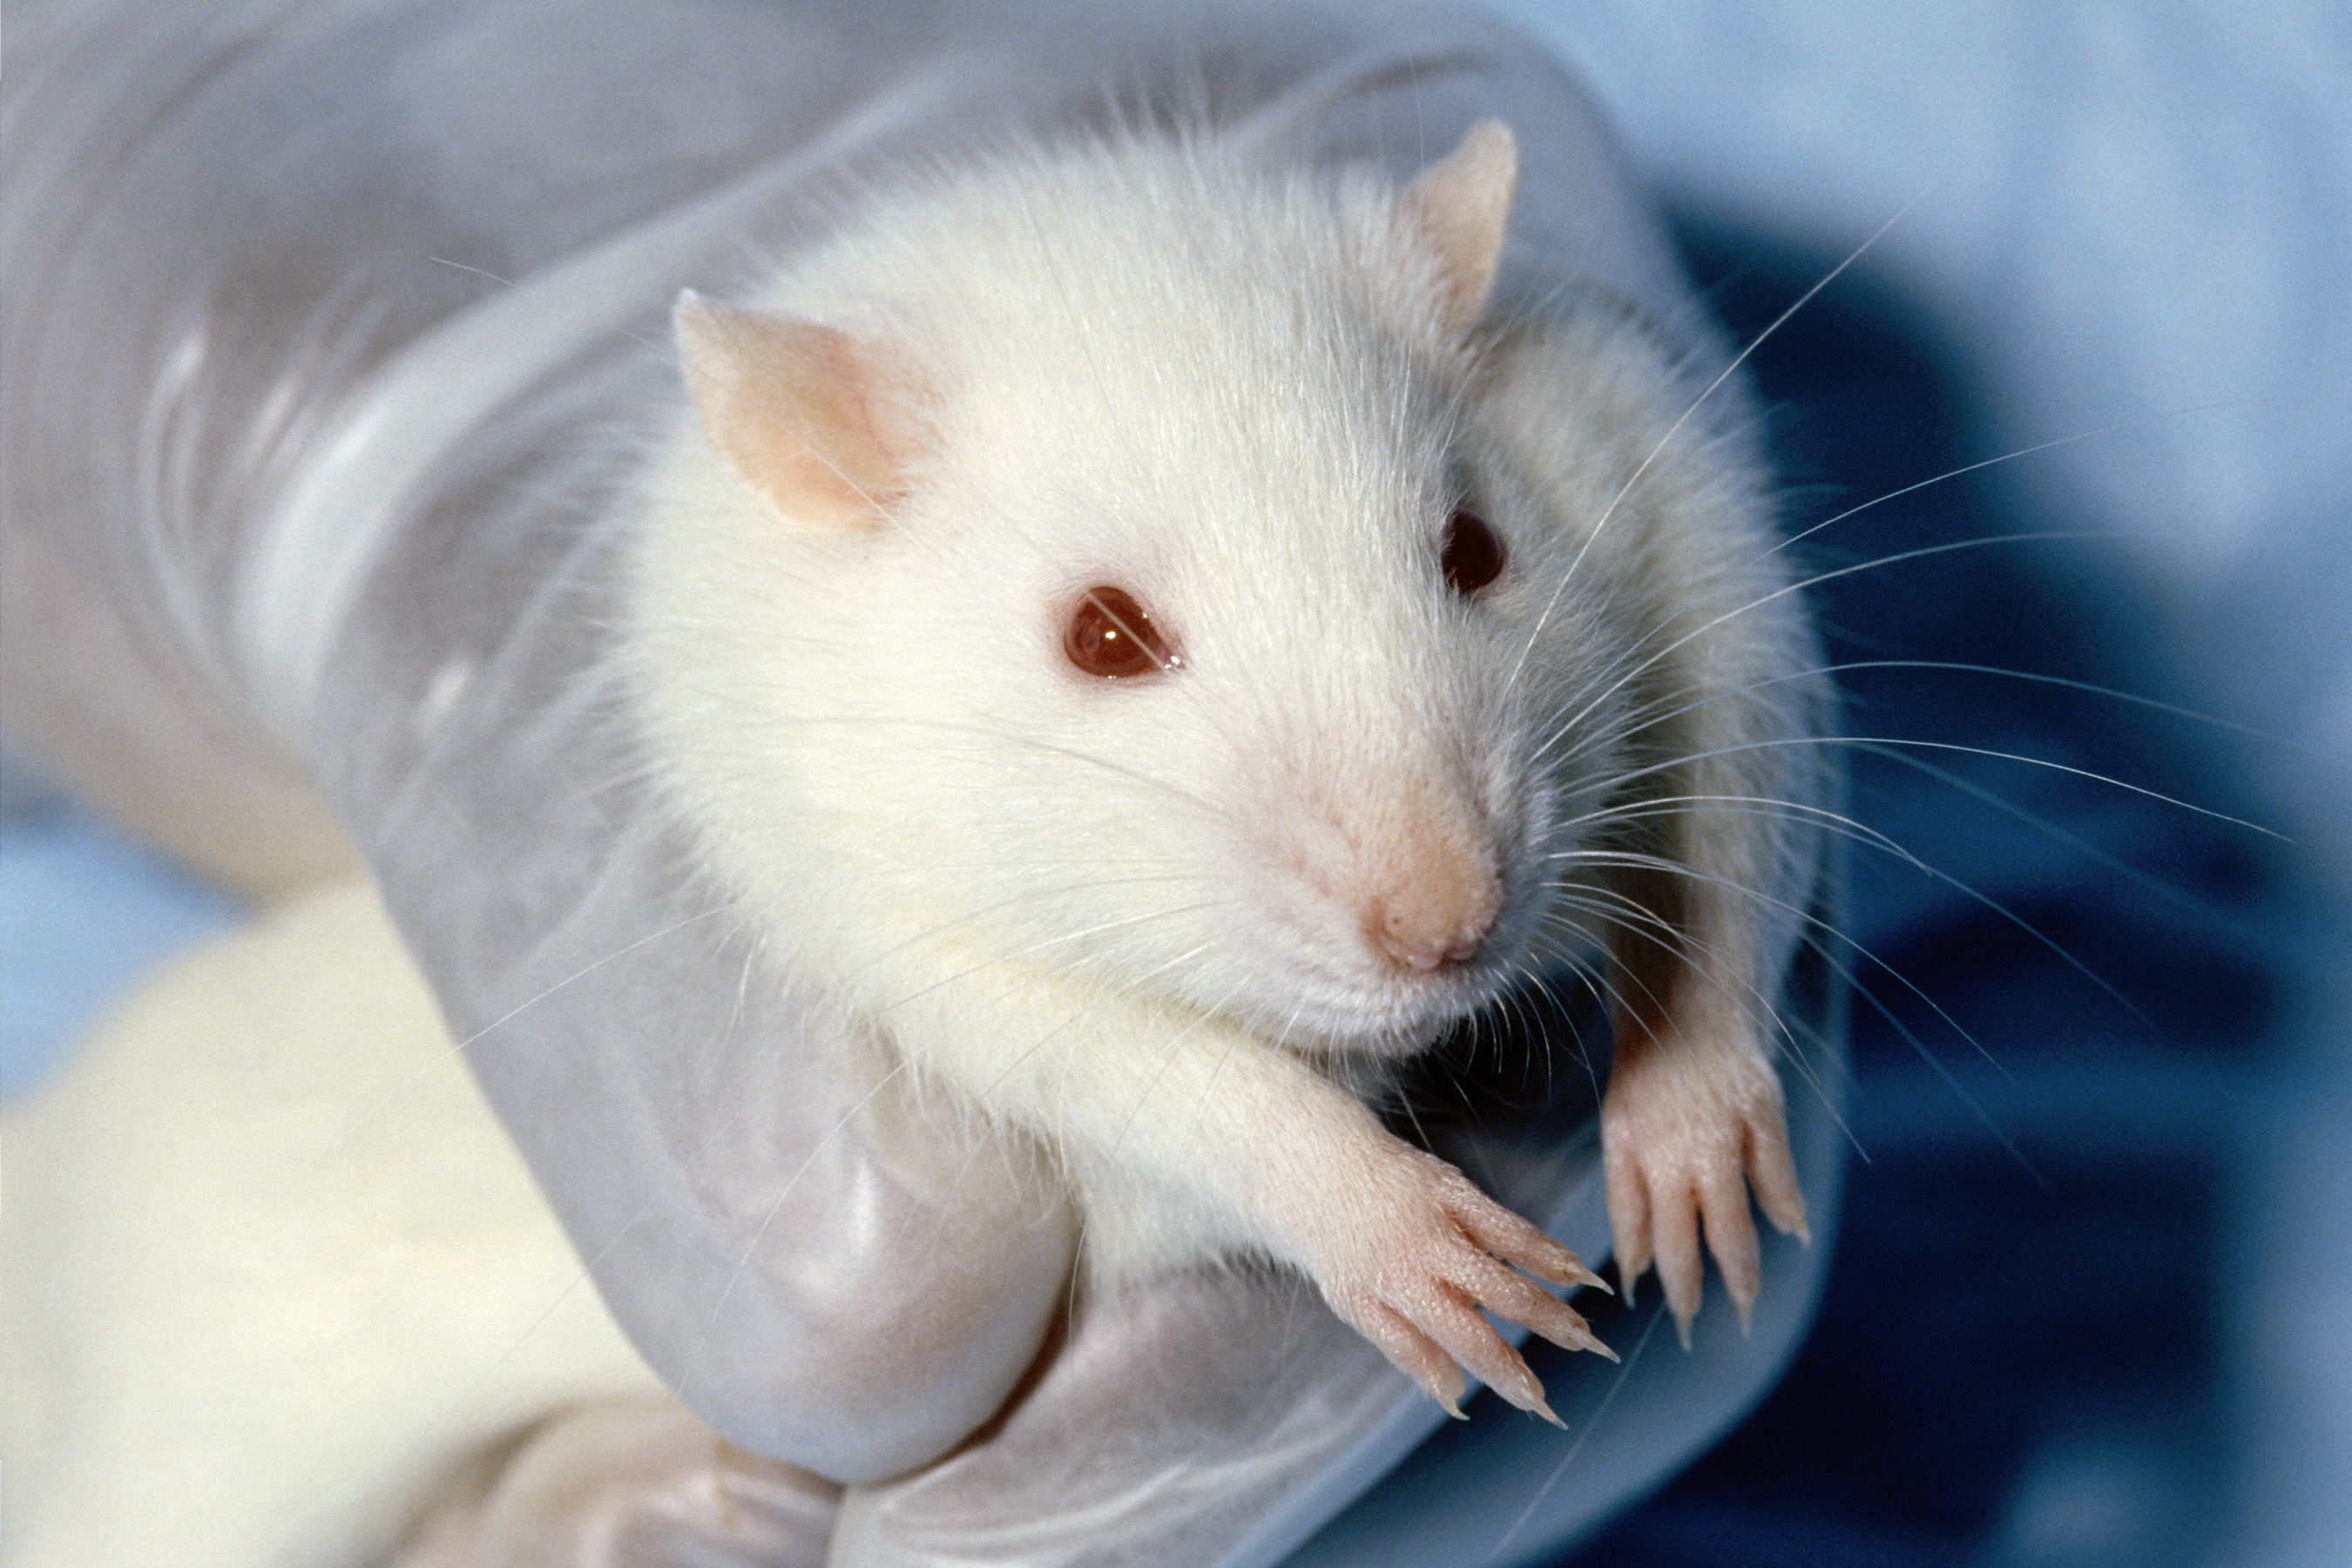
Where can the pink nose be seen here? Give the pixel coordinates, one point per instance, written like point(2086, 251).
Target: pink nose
point(1437, 920)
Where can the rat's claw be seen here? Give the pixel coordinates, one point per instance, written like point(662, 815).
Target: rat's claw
point(1731, 1235)
point(1522, 1300)
point(1628, 1213)
point(1772, 1173)
point(1464, 1331)
point(1674, 1234)
point(1412, 1352)
point(1427, 1252)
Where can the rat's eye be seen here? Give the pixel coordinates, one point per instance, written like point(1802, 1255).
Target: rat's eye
point(1109, 635)
point(1473, 556)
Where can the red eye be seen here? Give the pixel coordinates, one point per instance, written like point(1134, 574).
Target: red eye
point(1110, 635)
point(1473, 556)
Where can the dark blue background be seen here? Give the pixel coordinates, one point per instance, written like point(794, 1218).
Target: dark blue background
point(2022, 1353)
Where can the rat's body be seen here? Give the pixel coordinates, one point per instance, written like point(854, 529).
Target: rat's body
point(1131, 630)
point(279, 1290)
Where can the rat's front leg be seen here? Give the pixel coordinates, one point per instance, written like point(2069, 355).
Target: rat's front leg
point(1693, 1118)
point(1406, 1249)
point(1692, 1122)
point(1204, 1138)
point(1720, 844)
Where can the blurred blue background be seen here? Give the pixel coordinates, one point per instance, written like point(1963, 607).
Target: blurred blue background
point(2089, 1302)
point(2092, 1299)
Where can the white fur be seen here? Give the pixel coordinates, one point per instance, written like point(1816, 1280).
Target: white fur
point(1131, 915)
point(269, 1271)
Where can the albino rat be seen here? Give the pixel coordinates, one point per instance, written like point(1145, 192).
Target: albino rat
point(1145, 636)
point(1135, 627)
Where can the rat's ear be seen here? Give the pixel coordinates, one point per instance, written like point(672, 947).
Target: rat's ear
point(820, 424)
point(1460, 207)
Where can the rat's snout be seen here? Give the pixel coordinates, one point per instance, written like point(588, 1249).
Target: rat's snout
point(1435, 913)
point(1387, 892)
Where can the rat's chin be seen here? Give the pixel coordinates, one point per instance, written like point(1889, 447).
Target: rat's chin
point(1391, 1027)
point(1324, 1010)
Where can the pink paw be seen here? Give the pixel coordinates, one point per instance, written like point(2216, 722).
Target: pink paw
point(1688, 1128)
point(1419, 1250)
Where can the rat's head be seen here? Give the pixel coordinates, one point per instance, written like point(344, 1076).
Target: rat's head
point(1124, 585)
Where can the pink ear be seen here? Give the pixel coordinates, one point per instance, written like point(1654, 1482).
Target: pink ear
point(808, 416)
point(1461, 206)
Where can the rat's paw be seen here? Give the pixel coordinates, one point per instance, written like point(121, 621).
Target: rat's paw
point(1418, 1250)
point(1688, 1129)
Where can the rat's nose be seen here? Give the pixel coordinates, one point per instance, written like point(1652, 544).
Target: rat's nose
point(1436, 914)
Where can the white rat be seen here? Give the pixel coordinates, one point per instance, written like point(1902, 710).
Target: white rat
point(1133, 625)
point(1133, 632)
